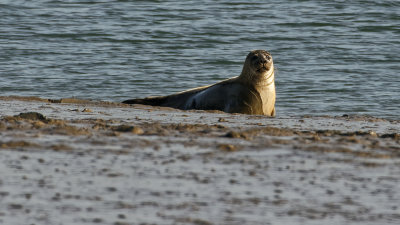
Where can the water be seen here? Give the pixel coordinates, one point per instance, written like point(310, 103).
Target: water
point(332, 57)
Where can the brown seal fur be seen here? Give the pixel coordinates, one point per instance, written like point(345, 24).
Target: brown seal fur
point(253, 92)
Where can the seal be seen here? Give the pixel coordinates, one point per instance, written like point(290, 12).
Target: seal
point(252, 92)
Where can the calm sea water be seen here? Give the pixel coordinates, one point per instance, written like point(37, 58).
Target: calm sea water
point(332, 57)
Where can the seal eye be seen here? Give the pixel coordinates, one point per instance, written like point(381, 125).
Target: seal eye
point(254, 58)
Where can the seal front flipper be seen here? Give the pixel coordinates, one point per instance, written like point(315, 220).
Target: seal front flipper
point(229, 96)
point(273, 113)
point(248, 101)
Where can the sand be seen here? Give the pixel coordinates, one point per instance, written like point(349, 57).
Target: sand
point(73, 161)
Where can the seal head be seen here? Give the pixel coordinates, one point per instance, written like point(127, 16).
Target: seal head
point(260, 60)
point(258, 67)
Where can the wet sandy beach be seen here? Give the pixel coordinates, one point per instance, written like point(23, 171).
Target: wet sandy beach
point(75, 161)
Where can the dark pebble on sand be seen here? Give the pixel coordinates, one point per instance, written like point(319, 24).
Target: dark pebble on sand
point(232, 134)
point(121, 223)
point(15, 206)
point(395, 136)
point(111, 189)
point(227, 147)
point(127, 128)
point(4, 193)
point(97, 220)
point(32, 116)
point(330, 192)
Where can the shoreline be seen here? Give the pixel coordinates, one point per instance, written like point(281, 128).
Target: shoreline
point(80, 161)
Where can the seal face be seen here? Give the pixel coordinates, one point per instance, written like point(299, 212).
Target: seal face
point(260, 60)
point(252, 92)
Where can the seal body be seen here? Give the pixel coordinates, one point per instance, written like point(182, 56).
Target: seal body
point(253, 92)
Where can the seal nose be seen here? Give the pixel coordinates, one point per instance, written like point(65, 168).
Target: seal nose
point(264, 60)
